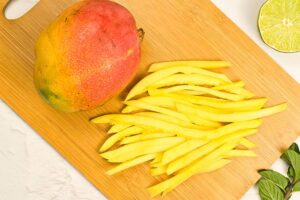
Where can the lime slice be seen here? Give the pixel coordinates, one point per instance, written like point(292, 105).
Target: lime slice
point(279, 24)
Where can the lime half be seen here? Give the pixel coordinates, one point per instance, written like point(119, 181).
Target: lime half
point(279, 24)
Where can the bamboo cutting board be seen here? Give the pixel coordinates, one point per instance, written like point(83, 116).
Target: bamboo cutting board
point(175, 29)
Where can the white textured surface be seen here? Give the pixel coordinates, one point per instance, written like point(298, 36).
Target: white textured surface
point(31, 170)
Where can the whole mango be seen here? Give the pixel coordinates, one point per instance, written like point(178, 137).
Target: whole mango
point(87, 55)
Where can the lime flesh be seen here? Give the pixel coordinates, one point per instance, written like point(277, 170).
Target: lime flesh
point(279, 24)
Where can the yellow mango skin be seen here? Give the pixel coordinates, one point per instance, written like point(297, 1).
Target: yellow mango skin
point(84, 58)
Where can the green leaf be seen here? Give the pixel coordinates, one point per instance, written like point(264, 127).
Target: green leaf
point(277, 178)
point(294, 147)
point(296, 187)
point(294, 158)
point(269, 191)
point(291, 172)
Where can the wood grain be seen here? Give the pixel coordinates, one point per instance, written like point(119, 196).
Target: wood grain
point(175, 30)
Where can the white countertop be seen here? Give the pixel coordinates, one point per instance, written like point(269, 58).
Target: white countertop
point(30, 169)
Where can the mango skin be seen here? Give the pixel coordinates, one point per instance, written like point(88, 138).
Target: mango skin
point(87, 55)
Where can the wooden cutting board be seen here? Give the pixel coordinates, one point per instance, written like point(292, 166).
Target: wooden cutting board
point(175, 29)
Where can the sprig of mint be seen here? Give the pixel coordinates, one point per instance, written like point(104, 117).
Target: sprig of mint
point(275, 186)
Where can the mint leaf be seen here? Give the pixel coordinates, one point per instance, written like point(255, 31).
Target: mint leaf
point(294, 147)
point(291, 172)
point(277, 178)
point(269, 191)
point(296, 187)
point(294, 158)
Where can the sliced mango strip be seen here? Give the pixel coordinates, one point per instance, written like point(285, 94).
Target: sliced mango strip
point(220, 94)
point(189, 92)
point(238, 84)
point(245, 105)
point(168, 118)
point(206, 167)
point(177, 151)
point(147, 106)
point(158, 170)
point(231, 117)
point(241, 91)
point(142, 86)
point(162, 101)
point(205, 149)
point(130, 163)
point(152, 123)
point(238, 153)
point(160, 116)
point(169, 183)
point(235, 88)
point(131, 109)
point(203, 122)
point(172, 104)
point(234, 127)
point(246, 143)
point(133, 130)
point(158, 92)
point(145, 136)
point(192, 79)
point(196, 167)
point(117, 127)
point(157, 158)
point(130, 151)
point(192, 63)
point(226, 87)
point(223, 149)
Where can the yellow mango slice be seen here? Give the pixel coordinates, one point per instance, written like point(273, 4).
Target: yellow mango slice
point(161, 101)
point(203, 122)
point(130, 151)
point(239, 153)
point(158, 170)
point(235, 88)
point(206, 167)
point(145, 136)
point(180, 150)
point(241, 91)
point(196, 167)
point(117, 128)
point(238, 84)
point(157, 158)
point(170, 119)
point(234, 127)
point(133, 130)
point(178, 96)
point(205, 149)
point(220, 94)
point(246, 143)
point(190, 79)
point(131, 163)
point(179, 79)
point(245, 105)
point(231, 117)
point(151, 123)
point(192, 63)
point(147, 106)
point(142, 86)
point(189, 92)
point(130, 109)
